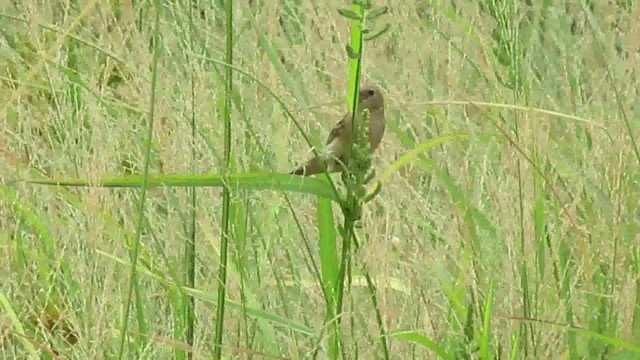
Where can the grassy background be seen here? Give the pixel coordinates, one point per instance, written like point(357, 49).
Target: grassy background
point(488, 247)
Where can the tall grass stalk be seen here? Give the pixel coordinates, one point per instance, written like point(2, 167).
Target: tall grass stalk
point(133, 282)
point(225, 235)
point(189, 304)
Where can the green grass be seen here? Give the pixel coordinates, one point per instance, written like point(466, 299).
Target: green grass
point(507, 223)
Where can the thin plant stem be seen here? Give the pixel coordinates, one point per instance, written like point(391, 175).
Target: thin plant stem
point(143, 191)
point(224, 241)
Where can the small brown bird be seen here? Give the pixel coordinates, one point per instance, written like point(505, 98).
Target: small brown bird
point(338, 145)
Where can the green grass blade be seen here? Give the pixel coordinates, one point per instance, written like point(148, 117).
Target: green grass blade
point(17, 325)
point(329, 265)
point(416, 337)
point(328, 250)
point(211, 298)
point(133, 283)
point(485, 337)
point(247, 181)
point(417, 151)
point(226, 191)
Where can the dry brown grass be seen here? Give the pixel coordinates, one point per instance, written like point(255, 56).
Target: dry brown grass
point(582, 265)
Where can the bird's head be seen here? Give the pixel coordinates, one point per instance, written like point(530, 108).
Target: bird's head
point(370, 97)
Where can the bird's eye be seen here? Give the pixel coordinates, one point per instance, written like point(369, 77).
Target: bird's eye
point(370, 92)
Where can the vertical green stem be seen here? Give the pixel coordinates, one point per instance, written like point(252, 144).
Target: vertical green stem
point(379, 320)
point(143, 191)
point(355, 63)
point(224, 241)
point(190, 246)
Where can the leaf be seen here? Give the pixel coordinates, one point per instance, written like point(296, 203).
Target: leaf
point(375, 13)
point(415, 337)
point(352, 53)
point(18, 329)
point(371, 36)
point(372, 194)
point(329, 260)
point(350, 14)
point(486, 331)
point(365, 4)
point(416, 152)
point(250, 181)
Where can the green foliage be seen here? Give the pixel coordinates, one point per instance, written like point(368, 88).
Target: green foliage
point(500, 220)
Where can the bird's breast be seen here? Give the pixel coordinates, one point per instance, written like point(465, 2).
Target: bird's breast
point(376, 128)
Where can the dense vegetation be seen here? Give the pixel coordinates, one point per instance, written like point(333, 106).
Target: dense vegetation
point(144, 149)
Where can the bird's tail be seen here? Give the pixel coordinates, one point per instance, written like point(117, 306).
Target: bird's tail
point(312, 167)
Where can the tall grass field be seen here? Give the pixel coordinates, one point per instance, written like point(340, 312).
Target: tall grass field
point(146, 210)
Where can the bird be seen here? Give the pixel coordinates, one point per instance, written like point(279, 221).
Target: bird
point(337, 150)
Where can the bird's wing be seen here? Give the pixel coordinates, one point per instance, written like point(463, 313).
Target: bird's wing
point(339, 128)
